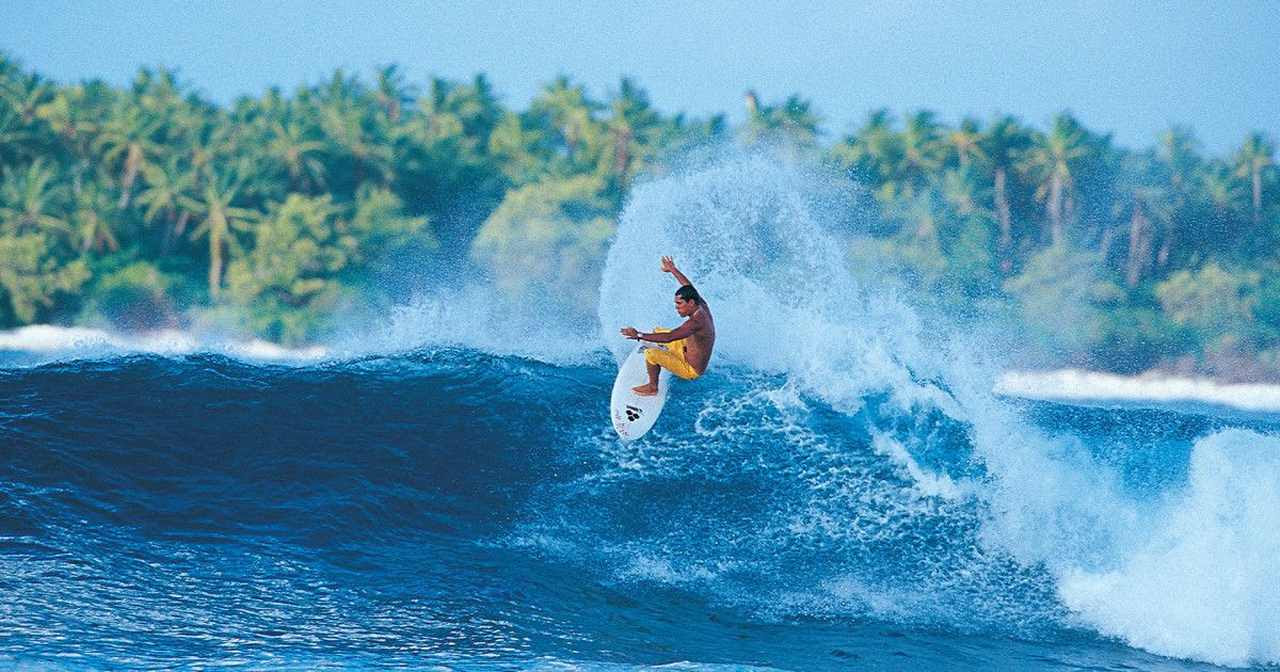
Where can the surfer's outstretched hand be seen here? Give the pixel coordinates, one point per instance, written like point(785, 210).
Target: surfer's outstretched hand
point(669, 266)
point(630, 332)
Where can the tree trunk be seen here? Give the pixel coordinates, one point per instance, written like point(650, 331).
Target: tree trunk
point(217, 226)
point(1257, 198)
point(1139, 246)
point(570, 134)
point(1068, 207)
point(77, 179)
point(1006, 221)
point(1166, 244)
point(215, 266)
point(1055, 209)
point(132, 162)
point(181, 227)
point(622, 153)
point(173, 232)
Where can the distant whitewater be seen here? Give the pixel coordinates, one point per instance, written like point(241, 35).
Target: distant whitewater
point(1072, 385)
point(41, 343)
point(843, 489)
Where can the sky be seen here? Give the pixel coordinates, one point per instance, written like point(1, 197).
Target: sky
point(1128, 68)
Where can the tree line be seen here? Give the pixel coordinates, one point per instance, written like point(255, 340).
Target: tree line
point(148, 206)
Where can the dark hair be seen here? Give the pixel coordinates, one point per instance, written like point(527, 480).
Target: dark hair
point(688, 293)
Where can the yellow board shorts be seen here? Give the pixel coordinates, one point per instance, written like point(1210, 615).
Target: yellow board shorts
point(671, 359)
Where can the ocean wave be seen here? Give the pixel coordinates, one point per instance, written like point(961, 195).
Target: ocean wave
point(447, 480)
point(753, 497)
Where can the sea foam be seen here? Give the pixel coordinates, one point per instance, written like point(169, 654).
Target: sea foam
point(1073, 386)
point(44, 342)
point(1184, 574)
point(1203, 585)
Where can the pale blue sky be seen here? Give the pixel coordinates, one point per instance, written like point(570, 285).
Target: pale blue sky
point(1125, 67)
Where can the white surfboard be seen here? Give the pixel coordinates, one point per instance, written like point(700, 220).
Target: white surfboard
point(632, 414)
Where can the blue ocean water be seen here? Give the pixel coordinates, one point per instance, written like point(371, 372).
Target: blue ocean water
point(454, 508)
point(443, 489)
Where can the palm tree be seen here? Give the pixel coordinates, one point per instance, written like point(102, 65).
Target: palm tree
point(873, 151)
point(478, 107)
point(1002, 144)
point(464, 113)
point(1179, 153)
point(14, 135)
point(219, 219)
point(210, 139)
point(793, 120)
point(32, 202)
point(522, 150)
point(165, 192)
point(290, 146)
point(635, 129)
point(26, 93)
point(964, 142)
point(1224, 193)
point(962, 189)
point(157, 90)
point(92, 217)
point(353, 135)
point(75, 115)
point(1052, 160)
point(392, 91)
point(1255, 156)
point(567, 111)
point(1144, 199)
point(127, 138)
point(23, 134)
point(922, 149)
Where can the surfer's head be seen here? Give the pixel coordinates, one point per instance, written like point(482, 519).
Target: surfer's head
point(687, 300)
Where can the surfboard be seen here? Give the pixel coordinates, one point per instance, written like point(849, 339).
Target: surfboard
point(632, 414)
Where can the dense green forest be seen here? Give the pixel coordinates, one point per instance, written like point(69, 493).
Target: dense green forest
point(148, 206)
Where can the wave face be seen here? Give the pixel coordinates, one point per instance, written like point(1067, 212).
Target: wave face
point(841, 489)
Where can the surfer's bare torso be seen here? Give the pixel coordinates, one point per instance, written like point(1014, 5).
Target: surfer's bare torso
point(700, 338)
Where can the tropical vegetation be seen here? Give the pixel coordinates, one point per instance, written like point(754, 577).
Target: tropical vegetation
point(149, 206)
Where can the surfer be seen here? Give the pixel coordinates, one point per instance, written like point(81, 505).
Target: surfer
point(688, 346)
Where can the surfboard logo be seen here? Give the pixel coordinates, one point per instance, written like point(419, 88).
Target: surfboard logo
point(633, 413)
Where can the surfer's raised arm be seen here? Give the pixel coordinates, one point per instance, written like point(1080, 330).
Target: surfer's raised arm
point(669, 266)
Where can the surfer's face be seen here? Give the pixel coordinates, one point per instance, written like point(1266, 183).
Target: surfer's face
point(685, 308)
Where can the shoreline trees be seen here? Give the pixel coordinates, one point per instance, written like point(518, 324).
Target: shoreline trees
point(283, 203)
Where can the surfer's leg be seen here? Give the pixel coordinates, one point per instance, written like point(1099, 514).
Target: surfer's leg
point(658, 358)
point(651, 363)
point(650, 388)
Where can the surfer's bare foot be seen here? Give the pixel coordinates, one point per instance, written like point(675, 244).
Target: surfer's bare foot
point(646, 390)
